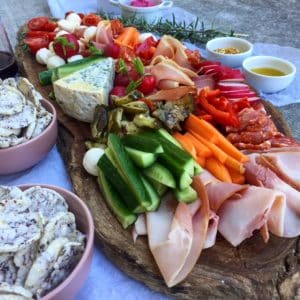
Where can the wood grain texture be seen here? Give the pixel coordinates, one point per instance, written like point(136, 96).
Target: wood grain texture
point(253, 270)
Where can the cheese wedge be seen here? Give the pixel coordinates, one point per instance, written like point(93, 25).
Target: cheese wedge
point(79, 93)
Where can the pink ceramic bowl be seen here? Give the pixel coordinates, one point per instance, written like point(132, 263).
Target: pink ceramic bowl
point(23, 156)
point(68, 289)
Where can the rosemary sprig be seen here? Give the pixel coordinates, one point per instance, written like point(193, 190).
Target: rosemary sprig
point(195, 31)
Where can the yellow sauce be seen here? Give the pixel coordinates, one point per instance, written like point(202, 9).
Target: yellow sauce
point(229, 50)
point(268, 71)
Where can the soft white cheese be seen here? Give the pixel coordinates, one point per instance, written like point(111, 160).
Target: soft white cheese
point(79, 93)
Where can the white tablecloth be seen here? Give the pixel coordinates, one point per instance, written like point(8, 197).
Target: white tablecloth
point(105, 280)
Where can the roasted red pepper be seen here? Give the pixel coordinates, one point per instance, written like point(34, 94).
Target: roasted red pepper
point(149, 103)
point(218, 107)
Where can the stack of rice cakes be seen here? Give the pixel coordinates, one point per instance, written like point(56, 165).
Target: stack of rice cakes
point(39, 242)
point(22, 117)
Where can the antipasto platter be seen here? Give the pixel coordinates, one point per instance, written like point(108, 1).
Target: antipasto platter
point(251, 269)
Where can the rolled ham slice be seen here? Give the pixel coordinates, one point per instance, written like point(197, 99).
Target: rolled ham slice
point(212, 230)
point(240, 216)
point(282, 222)
point(177, 234)
point(285, 164)
point(104, 33)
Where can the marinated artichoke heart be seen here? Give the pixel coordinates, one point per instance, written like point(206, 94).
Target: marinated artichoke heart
point(133, 96)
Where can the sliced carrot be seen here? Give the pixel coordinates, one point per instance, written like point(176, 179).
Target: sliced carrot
point(234, 164)
point(186, 144)
point(216, 151)
point(195, 124)
point(201, 149)
point(129, 37)
point(236, 177)
point(201, 161)
point(209, 132)
point(215, 167)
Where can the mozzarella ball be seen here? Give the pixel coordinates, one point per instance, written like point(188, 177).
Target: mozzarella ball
point(74, 18)
point(55, 61)
point(43, 55)
point(66, 25)
point(90, 33)
point(91, 159)
point(74, 58)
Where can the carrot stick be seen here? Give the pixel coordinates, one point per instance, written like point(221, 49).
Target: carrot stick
point(236, 177)
point(195, 124)
point(209, 132)
point(234, 164)
point(129, 37)
point(186, 144)
point(201, 149)
point(217, 169)
point(216, 151)
point(201, 161)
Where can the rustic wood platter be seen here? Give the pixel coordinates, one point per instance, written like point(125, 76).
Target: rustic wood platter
point(253, 270)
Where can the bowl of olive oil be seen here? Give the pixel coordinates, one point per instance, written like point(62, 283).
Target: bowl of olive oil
point(268, 74)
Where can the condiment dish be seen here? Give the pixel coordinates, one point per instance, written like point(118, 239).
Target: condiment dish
point(23, 156)
point(267, 83)
point(68, 289)
point(150, 14)
point(244, 47)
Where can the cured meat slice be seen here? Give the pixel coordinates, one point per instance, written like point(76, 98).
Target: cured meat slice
point(240, 216)
point(212, 230)
point(289, 217)
point(219, 192)
point(104, 33)
point(172, 94)
point(204, 81)
point(285, 164)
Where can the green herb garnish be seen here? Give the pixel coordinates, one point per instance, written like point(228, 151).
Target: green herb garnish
point(122, 66)
point(139, 66)
point(94, 50)
point(133, 85)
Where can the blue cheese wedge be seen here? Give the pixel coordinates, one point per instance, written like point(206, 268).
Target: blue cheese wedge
point(79, 93)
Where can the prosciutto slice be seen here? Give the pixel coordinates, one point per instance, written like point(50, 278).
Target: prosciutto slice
point(172, 94)
point(104, 33)
point(177, 234)
point(285, 164)
point(170, 47)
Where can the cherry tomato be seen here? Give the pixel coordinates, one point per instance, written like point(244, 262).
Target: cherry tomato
point(148, 84)
point(37, 23)
point(50, 35)
point(50, 26)
point(91, 20)
point(36, 43)
point(119, 91)
point(66, 45)
point(146, 49)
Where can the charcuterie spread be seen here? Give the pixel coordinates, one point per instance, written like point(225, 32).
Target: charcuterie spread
point(182, 147)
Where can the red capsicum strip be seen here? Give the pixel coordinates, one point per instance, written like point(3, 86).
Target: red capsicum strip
point(220, 108)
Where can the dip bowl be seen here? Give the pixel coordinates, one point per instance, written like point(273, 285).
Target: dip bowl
point(232, 60)
point(150, 14)
point(23, 156)
point(68, 289)
point(267, 83)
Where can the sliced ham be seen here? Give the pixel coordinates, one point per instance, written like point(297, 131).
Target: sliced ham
point(219, 192)
point(240, 216)
point(104, 33)
point(164, 70)
point(282, 222)
point(285, 164)
point(212, 230)
point(139, 227)
point(177, 234)
point(172, 48)
point(172, 94)
point(167, 84)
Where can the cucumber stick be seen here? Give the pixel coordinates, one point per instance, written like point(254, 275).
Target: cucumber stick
point(160, 188)
point(140, 158)
point(115, 203)
point(142, 143)
point(130, 174)
point(187, 195)
point(152, 194)
point(117, 181)
point(161, 174)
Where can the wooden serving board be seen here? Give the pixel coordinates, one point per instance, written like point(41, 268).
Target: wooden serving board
point(253, 270)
